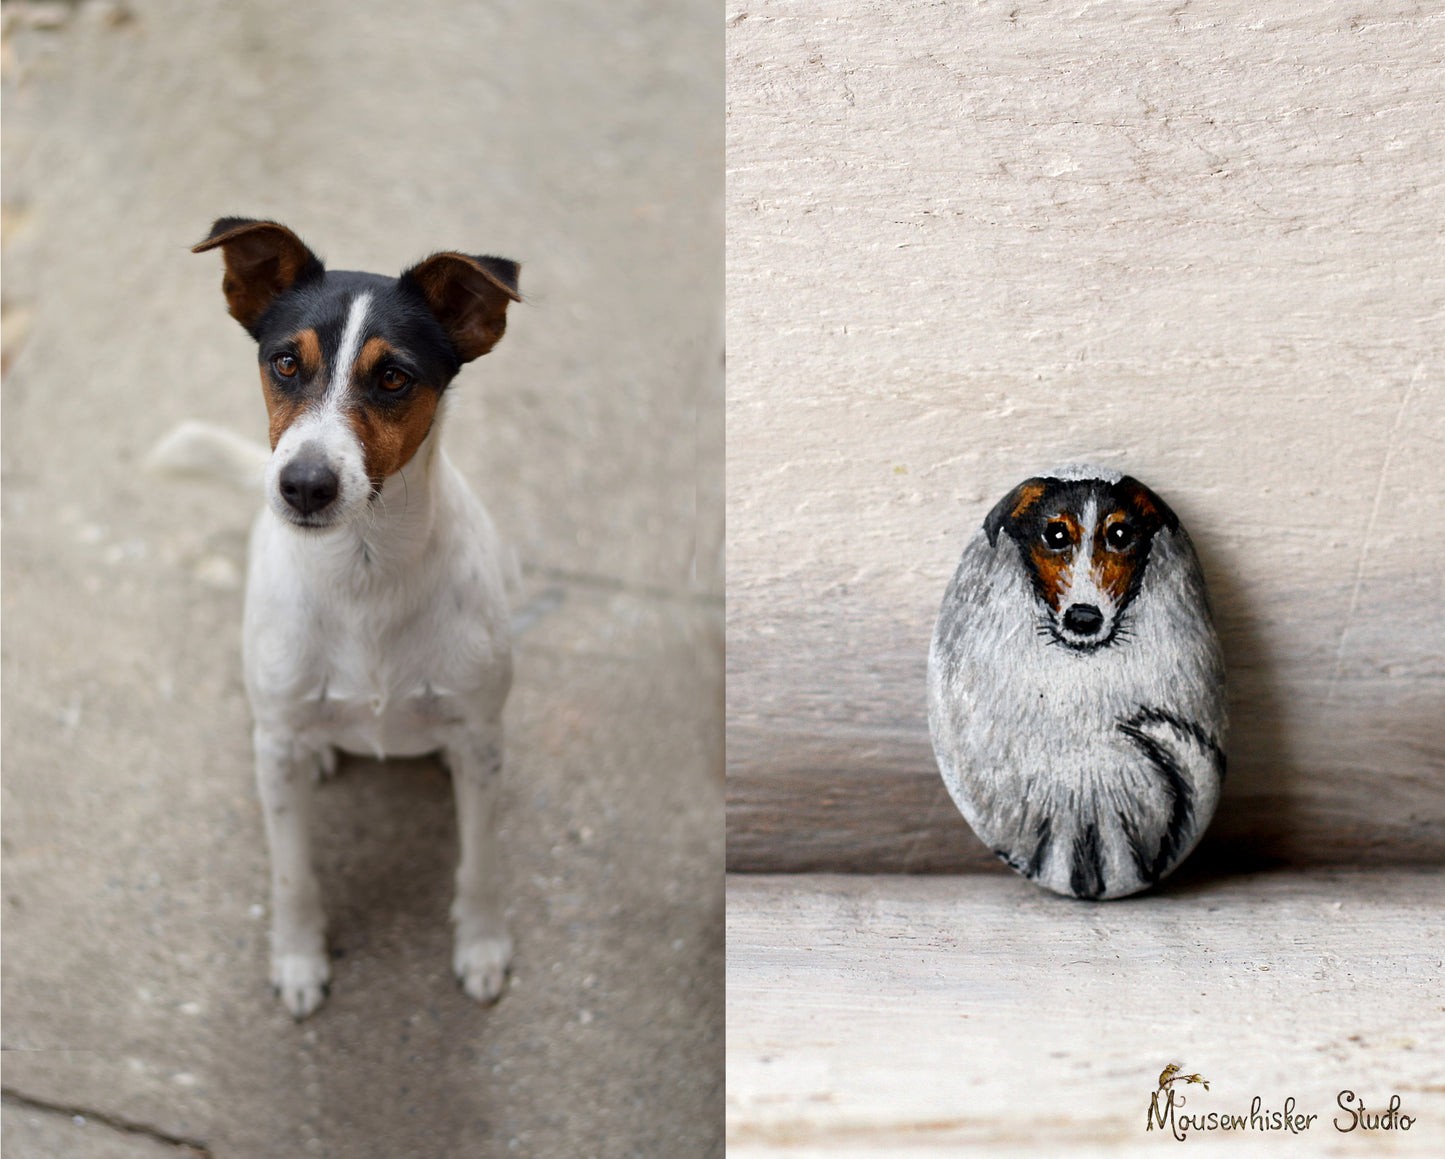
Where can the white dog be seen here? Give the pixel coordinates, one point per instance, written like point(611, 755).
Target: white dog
point(376, 616)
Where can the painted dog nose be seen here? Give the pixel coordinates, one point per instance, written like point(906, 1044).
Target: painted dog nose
point(308, 485)
point(1085, 619)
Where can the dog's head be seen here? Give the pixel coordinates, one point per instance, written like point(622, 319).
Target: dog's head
point(353, 365)
point(1084, 544)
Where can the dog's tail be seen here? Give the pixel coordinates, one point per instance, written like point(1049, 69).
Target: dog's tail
point(211, 452)
point(1190, 764)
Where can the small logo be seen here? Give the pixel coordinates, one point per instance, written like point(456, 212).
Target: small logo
point(1162, 1114)
point(1167, 1112)
point(1170, 1075)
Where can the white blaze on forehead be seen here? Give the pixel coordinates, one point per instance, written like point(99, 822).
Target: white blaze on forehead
point(350, 343)
point(1083, 584)
point(323, 432)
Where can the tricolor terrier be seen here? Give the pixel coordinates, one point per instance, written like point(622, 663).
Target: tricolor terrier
point(1076, 685)
point(376, 616)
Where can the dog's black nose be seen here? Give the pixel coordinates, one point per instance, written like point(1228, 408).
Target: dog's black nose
point(1084, 619)
point(308, 485)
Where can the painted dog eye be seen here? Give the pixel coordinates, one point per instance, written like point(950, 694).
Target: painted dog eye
point(1056, 534)
point(393, 379)
point(1119, 537)
point(285, 365)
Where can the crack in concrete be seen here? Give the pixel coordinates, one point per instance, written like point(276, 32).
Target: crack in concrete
point(14, 1098)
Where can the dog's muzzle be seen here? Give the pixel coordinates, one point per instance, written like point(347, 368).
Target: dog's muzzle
point(1083, 620)
point(308, 485)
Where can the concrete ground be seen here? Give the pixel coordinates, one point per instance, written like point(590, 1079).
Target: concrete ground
point(584, 140)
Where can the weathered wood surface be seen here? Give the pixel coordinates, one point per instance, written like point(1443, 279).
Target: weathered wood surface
point(1199, 243)
point(903, 1015)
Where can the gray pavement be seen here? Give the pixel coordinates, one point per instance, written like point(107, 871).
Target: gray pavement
point(585, 141)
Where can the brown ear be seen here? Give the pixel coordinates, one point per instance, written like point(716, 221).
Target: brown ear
point(1013, 505)
point(469, 296)
point(263, 259)
point(1152, 510)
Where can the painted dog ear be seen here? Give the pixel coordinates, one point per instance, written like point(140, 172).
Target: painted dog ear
point(1012, 505)
point(469, 296)
point(263, 260)
point(1154, 512)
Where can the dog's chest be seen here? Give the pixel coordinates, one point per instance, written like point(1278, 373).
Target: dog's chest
point(376, 679)
point(390, 694)
point(381, 720)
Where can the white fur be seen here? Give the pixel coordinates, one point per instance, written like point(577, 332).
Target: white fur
point(324, 432)
point(1025, 728)
point(387, 634)
point(350, 343)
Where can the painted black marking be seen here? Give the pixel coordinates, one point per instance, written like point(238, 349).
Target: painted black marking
point(1087, 877)
point(1009, 859)
point(1205, 741)
point(1043, 836)
point(1138, 848)
point(1176, 788)
point(1002, 518)
point(1147, 515)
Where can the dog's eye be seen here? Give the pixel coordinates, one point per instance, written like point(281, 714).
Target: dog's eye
point(285, 365)
point(1119, 537)
point(393, 379)
point(1056, 534)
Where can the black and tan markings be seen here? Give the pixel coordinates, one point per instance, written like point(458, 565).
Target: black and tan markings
point(1049, 521)
point(387, 398)
point(419, 329)
point(393, 411)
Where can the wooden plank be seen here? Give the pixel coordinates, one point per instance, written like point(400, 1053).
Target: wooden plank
point(1201, 245)
point(901, 1015)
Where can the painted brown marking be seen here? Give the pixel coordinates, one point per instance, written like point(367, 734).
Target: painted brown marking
point(1028, 494)
point(390, 437)
point(1150, 511)
point(1052, 569)
point(1114, 569)
point(374, 350)
point(1142, 500)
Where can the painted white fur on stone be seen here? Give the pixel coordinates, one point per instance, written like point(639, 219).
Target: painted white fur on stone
point(1030, 736)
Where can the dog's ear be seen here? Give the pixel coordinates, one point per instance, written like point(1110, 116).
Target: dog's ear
point(1152, 511)
point(468, 295)
point(1008, 509)
point(263, 259)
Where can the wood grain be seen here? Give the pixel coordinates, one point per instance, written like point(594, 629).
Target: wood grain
point(1199, 244)
point(901, 1015)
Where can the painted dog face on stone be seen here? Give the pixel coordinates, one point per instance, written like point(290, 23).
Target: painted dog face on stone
point(1085, 544)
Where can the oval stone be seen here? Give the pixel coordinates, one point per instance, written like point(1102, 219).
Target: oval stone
point(1076, 685)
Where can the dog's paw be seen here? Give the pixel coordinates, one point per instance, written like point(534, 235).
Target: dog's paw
point(480, 965)
point(301, 981)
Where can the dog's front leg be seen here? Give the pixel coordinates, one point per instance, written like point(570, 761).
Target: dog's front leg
point(299, 968)
point(482, 947)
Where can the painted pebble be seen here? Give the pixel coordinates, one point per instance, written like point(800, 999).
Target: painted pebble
point(1076, 686)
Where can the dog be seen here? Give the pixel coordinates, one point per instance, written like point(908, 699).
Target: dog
point(376, 612)
point(1076, 685)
